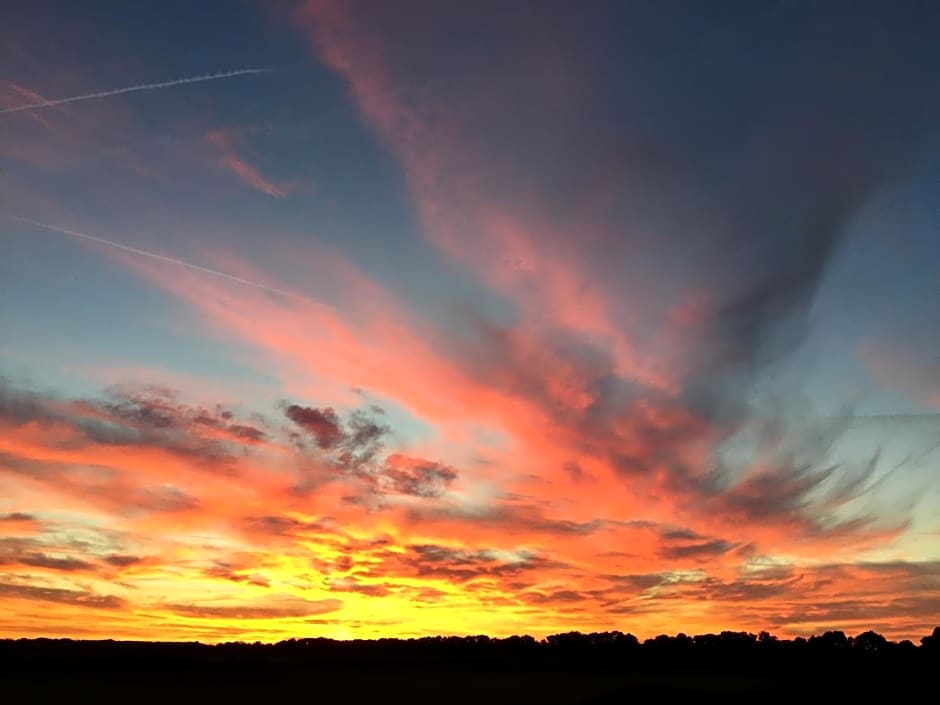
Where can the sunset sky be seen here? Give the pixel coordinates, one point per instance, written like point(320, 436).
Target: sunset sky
point(403, 318)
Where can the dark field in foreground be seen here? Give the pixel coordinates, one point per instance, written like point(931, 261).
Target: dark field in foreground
point(569, 668)
point(456, 689)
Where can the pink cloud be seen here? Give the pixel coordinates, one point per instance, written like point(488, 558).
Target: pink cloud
point(542, 270)
point(226, 145)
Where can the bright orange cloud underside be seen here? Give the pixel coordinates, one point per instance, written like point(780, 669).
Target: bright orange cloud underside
point(145, 513)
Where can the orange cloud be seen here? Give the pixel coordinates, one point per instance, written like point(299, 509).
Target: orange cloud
point(525, 550)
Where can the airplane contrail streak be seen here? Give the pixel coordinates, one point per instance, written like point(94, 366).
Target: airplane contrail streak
point(165, 259)
point(132, 89)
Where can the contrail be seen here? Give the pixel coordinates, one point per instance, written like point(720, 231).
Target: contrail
point(167, 260)
point(132, 89)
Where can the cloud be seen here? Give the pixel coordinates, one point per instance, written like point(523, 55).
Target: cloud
point(703, 549)
point(105, 486)
point(415, 477)
point(226, 145)
point(554, 598)
point(235, 574)
point(508, 516)
point(442, 549)
point(158, 407)
point(17, 517)
point(275, 525)
point(274, 607)
point(77, 598)
point(576, 472)
point(639, 582)
point(12, 93)
point(64, 547)
point(737, 264)
point(144, 417)
point(354, 442)
point(41, 560)
point(36, 105)
point(462, 565)
point(153, 256)
point(119, 560)
point(323, 424)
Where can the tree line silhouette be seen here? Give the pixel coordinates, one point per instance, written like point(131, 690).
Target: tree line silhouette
point(728, 651)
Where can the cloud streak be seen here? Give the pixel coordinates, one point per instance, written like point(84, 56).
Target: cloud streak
point(225, 144)
point(155, 256)
point(39, 105)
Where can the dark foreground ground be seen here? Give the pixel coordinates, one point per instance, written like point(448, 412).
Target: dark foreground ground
point(573, 668)
point(498, 689)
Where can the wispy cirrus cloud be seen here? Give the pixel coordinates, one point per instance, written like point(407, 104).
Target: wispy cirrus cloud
point(228, 148)
point(95, 95)
point(909, 365)
point(735, 302)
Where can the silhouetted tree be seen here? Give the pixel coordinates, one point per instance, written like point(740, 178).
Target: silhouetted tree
point(932, 643)
point(870, 642)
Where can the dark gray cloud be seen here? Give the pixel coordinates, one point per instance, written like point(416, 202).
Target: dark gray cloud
point(789, 596)
point(680, 535)
point(462, 565)
point(699, 550)
point(18, 406)
point(146, 416)
point(347, 449)
point(122, 560)
point(153, 406)
point(42, 560)
point(322, 424)
point(416, 477)
point(364, 433)
point(79, 598)
point(922, 608)
point(352, 447)
point(34, 552)
point(354, 441)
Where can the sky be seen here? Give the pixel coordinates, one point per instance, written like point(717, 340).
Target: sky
point(393, 319)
